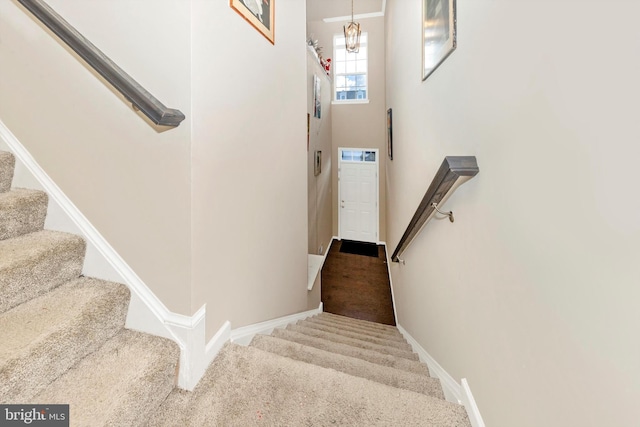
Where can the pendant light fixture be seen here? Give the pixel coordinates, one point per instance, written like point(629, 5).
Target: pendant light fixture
point(352, 34)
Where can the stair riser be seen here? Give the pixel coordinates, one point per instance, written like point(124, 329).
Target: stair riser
point(7, 165)
point(356, 329)
point(360, 353)
point(26, 279)
point(389, 343)
point(353, 342)
point(22, 213)
point(33, 368)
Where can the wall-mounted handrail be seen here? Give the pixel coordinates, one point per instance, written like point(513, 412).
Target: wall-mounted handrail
point(123, 82)
point(454, 171)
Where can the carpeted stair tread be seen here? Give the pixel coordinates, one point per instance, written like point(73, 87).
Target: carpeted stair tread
point(360, 353)
point(246, 386)
point(34, 263)
point(22, 211)
point(7, 165)
point(120, 384)
point(351, 328)
point(359, 328)
point(45, 336)
point(357, 335)
point(360, 322)
point(350, 365)
point(352, 341)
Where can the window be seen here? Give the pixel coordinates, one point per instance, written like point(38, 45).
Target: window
point(350, 70)
point(358, 156)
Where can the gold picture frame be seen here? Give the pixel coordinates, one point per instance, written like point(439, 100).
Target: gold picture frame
point(439, 33)
point(259, 13)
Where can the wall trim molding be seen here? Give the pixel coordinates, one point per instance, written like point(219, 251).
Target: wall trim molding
point(453, 391)
point(450, 386)
point(245, 334)
point(218, 341)
point(470, 405)
point(146, 312)
point(356, 17)
point(393, 294)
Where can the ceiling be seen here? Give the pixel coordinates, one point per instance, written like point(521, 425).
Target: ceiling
point(318, 10)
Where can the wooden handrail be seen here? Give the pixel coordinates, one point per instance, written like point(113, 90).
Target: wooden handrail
point(452, 172)
point(123, 82)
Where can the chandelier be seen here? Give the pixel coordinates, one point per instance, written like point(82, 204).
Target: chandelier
point(352, 34)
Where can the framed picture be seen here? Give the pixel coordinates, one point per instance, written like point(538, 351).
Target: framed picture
point(438, 33)
point(389, 135)
point(317, 163)
point(317, 103)
point(259, 13)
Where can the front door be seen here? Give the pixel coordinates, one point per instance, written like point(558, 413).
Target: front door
point(358, 194)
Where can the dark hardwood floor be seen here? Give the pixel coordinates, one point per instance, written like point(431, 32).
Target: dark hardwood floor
point(357, 286)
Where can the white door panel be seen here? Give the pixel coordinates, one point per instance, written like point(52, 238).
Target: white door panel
point(358, 192)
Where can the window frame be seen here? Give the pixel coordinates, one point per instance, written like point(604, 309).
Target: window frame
point(334, 97)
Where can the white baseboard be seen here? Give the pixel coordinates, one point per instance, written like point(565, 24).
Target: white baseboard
point(393, 294)
point(453, 391)
point(314, 265)
point(245, 334)
point(216, 343)
point(470, 405)
point(146, 312)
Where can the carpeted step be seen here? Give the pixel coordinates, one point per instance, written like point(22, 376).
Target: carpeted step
point(121, 384)
point(32, 264)
point(363, 337)
point(246, 386)
point(7, 165)
point(22, 211)
point(352, 341)
point(359, 326)
point(359, 322)
point(397, 336)
point(350, 365)
point(360, 353)
point(44, 337)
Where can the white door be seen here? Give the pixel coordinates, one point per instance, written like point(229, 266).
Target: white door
point(358, 194)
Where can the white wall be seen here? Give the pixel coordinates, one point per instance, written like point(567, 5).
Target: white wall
point(213, 212)
point(249, 178)
point(359, 125)
point(130, 179)
point(320, 195)
point(532, 293)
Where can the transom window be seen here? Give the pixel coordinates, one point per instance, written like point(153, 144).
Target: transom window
point(358, 156)
point(350, 70)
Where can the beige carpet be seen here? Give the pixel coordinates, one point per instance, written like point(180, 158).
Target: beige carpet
point(63, 337)
point(63, 341)
point(276, 382)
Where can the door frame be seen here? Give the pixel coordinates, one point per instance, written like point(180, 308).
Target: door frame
point(377, 208)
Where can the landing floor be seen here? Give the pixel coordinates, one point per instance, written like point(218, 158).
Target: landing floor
point(357, 286)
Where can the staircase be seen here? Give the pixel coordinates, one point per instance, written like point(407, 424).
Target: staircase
point(62, 335)
point(63, 341)
point(324, 371)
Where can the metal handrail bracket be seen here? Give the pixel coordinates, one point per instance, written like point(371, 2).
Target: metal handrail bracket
point(141, 99)
point(453, 171)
